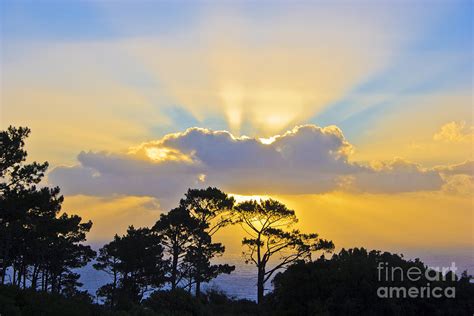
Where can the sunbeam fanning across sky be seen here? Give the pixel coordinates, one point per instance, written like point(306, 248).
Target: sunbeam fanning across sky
point(354, 119)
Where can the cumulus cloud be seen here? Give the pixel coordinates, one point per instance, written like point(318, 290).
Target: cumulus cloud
point(398, 175)
point(306, 159)
point(460, 184)
point(455, 132)
point(458, 178)
point(104, 174)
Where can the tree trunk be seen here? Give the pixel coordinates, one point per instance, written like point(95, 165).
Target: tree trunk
point(46, 280)
point(59, 284)
point(34, 278)
point(261, 271)
point(198, 287)
point(114, 290)
point(4, 267)
point(14, 275)
point(260, 285)
point(174, 268)
point(25, 275)
point(20, 275)
point(53, 282)
point(43, 281)
point(3, 274)
point(198, 269)
point(6, 256)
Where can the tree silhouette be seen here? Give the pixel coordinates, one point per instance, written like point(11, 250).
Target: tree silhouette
point(347, 284)
point(37, 244)
point(17, 176)
point(18, 182)
point(136, 264)
point(197, 261)
point(108, 261)
point(42, 247)
point(212, 209)
point(177, 231)
point(264, 222)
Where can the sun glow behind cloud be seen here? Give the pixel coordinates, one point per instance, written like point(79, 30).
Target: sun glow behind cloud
point(268, 141)
point(391, 76)
point(165, 154)
point(243, 198)
point(256, 74)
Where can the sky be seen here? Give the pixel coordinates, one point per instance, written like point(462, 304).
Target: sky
point(357, 114)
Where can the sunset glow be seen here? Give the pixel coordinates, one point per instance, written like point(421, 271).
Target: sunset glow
point(356, 115)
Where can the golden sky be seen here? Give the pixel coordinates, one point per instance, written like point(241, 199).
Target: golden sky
point(357, 116)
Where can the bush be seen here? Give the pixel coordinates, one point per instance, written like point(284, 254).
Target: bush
point(170, 303)
point(14, 301)
point(347, 284)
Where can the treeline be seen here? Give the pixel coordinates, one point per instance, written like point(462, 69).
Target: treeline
point(159, 270)
point(345, 284)
point(40, 246)
point(350, 282)
point(178, 250)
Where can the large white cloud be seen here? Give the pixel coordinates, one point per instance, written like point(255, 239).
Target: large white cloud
point(307, 159)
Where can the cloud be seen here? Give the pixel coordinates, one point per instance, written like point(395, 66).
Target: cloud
point(398, 175)
point(308, 56)
point(455, 132)
point(459, 178)
point(382, 136)
point(305, 160)
point(466, 167)
point(460, 184)
point(256, 72)
point(106, 174)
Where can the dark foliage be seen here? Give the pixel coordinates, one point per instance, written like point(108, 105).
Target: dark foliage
point(212, 210)
point(41, 248)
point(17, 302)
point(177, 230)
point(136, 263)
point(347, 285)
point(39, 245)
point(267, 224)
point(174, 303)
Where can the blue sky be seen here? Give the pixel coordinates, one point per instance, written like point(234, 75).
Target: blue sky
point(411, 49)
point(110, 88)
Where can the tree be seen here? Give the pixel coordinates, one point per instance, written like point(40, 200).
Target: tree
point(108, 261)
point(264, 222)
point(16, 175)
point(176, 230)
point(212, 209)
point(136, 263)
point(197, 261)
point(17, 180)
point(63, 251)
point(37, 242)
